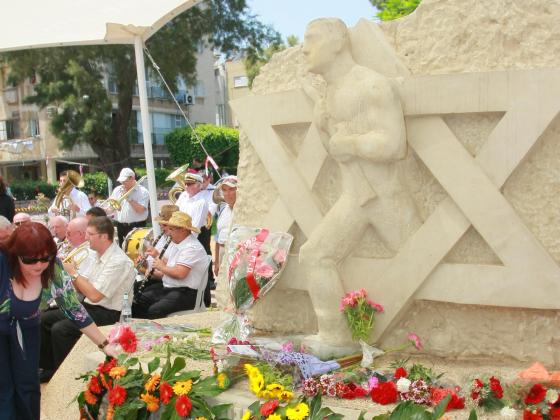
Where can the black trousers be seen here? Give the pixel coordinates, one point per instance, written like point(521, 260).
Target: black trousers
point(59, 334)
point(157, 301)
point(124, 228)
point(204, 238)
point(20, 393)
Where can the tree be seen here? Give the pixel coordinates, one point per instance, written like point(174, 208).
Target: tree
point(258, 58)
point(394, 9)
point(70, 78)
point(222, 143)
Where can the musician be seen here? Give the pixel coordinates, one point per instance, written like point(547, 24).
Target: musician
point(182, 270)
point(95, 212)
point(157, 250)
point(227, 190)
point(191, 203)
point(78, 202)
point(92, 198)
point(20, 218)
point(134, 209)
point(103, 284)
point(57, 226)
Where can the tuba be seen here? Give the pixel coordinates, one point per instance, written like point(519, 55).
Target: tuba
point(178, 175)
point(73, 179)
point(116, 203)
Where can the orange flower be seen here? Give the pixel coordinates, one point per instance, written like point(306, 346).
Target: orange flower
point(89, 397)
point(110, 412)
point(152, 402)
point(153, 382)
point(117, 372)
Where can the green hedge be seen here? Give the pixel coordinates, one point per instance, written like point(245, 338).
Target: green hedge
point(160, 173)
point(96, 181)
point(28, 190)
point(222, 143)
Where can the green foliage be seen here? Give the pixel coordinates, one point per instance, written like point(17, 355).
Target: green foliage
point(419, 371)
point(409, 410)
point(96, 181)
point(28, 190)
point(71, 78)
point(160, 174)
point(273, 375)
point(394, 9)
point(255, 61)
point(222, 143)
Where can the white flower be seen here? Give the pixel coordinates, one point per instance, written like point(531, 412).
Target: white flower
point(551, 396)
point(508, 412)
point(403, 385)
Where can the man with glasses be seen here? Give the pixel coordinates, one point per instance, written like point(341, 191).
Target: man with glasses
point(103, 283)
point(20, 218)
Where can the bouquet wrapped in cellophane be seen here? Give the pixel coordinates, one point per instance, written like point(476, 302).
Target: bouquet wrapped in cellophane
point(256, 258)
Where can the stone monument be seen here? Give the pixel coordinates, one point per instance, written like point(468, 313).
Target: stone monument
point(453, 226)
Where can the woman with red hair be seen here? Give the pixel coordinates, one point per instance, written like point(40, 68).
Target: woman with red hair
point(30, 278)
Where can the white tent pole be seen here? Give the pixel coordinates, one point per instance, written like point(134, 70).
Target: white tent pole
point(146, 129)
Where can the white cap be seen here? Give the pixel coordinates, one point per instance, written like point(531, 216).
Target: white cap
point(125, 174)
point(190, 178)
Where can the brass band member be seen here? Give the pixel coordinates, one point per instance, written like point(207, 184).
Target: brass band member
point(182, 270)
point(226, 190)
point(77, 202)
point(57, 226)
point(103, 284)
point(134, 209)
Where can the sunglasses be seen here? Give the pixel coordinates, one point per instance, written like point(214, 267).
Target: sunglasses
point(33, 260)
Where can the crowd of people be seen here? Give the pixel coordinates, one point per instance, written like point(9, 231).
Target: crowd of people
point(62, 279)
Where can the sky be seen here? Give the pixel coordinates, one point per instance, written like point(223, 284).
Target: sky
point(290, 17)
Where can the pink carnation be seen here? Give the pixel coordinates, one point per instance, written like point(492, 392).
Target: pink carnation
point(415, 341)
point(264, 270)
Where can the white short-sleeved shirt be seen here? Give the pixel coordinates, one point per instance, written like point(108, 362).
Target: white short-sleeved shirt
point(112, 275)
point(189, 253)
point(207, 195)
point(159, 246)
point(77, 197)
point(195, 206)
point(127, 214)
point(223, 225)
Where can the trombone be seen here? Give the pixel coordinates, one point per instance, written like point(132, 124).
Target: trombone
point(78, 254)
point(116, 203)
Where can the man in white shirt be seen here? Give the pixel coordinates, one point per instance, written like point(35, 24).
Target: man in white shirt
point(76, 202)
point(134, 209)
point(103, 284)
point(226, 191)
point(191, 203)
point(182, 272)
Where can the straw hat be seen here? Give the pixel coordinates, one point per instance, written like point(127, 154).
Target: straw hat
point(181, 220)
point(166, 211)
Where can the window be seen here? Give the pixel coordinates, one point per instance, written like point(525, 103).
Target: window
point(199, 89)
point(34, 128)
point(240, 81)
point(3, 131)
point(161, 125)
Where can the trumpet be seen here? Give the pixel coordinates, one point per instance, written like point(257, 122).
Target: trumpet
point(77, 255)
point(116, 203)
point(178, 175)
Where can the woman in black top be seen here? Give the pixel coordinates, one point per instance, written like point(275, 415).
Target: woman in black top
point(7, 206)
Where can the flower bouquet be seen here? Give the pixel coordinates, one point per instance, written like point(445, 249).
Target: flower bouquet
point(256, 258)
point(359, 312)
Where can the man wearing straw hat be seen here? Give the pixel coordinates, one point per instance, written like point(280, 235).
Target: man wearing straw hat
point(182, 271)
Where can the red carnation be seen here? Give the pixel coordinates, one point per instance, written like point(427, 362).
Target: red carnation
point(127, 340)
point(117, 395)
point(269, 407)
point(401, 373)
point(183, 406)
point(352, 391)
point(165, 392)
point(455, 403)
point(475, 389)
point(536, 394)
point(528, 415)
point(385, 393)
point(105, 367)
point(554, 413)
point(94, 385)
point(496, 387)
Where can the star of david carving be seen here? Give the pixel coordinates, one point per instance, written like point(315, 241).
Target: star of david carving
point(529, 276)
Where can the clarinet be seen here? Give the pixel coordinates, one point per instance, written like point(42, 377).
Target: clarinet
point(148, 275)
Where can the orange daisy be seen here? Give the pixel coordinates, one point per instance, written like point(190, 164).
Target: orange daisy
point(152, 402)
point(117, 372)
point(153, 382)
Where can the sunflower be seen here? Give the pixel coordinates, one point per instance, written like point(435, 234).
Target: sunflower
point(274, 417)
point(247, 415)
point(299, 412)
point(251, 370)
point(117, 372)
point(222, 380)
point(256, 383)
point(275, 390)
point(153, 382)
point(152, 402)
point(286, 395)
point(182, 387)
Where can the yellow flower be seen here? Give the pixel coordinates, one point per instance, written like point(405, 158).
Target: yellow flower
point(117, 372)
point(267, 395)
point(201, 418)
point(286, 395)
point(246, 415)
point(152, 402)
point(256, 383)
point(222, 380)
point(299, 412)
point(182, 387)
point(275, 390)
point(251, 370)
point(274, 417)
point(153, 382)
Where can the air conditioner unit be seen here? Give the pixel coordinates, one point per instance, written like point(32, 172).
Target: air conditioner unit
point(189, 99)
point(51, 111)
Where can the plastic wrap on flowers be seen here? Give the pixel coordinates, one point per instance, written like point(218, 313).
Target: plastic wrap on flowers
point(256, 258)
